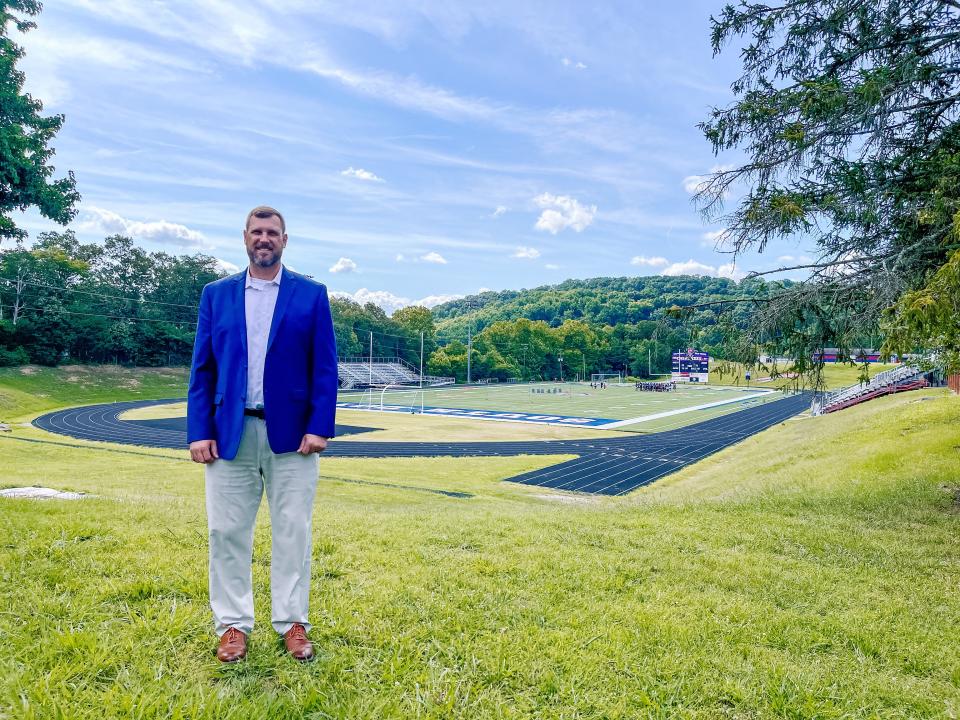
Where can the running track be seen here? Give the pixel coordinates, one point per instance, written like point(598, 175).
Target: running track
point(613, 466)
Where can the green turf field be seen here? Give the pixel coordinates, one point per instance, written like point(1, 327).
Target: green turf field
point(574, 399)
point(808, 572)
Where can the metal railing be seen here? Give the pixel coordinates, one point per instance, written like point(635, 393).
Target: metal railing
point(880, 381)
point(362, 371)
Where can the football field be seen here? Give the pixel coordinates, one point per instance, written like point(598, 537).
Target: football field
point(620, 407)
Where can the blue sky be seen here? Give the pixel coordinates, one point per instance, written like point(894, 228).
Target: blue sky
point(418, 150)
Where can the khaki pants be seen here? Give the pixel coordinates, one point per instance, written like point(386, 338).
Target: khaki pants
point(233, 491)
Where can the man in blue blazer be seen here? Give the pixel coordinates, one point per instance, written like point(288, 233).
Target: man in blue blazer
point(261, 405)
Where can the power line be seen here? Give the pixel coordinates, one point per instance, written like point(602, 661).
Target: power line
point(100, 295)
point(109, 317)
point(184, 322)
point(341, 326)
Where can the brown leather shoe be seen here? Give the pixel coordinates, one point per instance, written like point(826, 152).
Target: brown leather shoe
point(232, 647)
point(297, 643)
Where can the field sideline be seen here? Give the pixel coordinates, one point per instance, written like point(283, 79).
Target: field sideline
point(808, 572)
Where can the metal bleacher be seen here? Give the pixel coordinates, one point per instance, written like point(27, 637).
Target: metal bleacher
point(904, 377)
point(377, 372)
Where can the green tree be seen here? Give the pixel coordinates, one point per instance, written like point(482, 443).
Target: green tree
point(410, 322)
point(25, 136)
point(847, 112)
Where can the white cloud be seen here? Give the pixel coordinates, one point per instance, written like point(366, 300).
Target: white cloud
point(391, 302)
point(94, 219)
point(227, 266)
point(716, 237)
point(729, 270)
point(361, 174)
point(795, 259)
point(501, 209)
point(434, 257)
point(561, 212)
point(400, 257)
point(50, 58)
point(602, 128)
point(434, 300)
point(527, 252)
point(644, 261)
point(695, 183)
point(345, 265)
point(692, 267)
point(551, 266)
point(567, 62)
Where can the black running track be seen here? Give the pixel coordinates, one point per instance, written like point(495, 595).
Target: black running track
point(603, 466)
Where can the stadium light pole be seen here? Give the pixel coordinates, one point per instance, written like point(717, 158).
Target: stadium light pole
point(469, 349)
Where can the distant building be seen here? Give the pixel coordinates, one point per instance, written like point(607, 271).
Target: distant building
point(863, 355)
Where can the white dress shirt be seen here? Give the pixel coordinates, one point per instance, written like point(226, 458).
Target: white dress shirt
point(259, 299)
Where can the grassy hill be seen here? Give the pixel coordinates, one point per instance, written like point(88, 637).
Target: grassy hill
point(31, 389)
point(809, 572)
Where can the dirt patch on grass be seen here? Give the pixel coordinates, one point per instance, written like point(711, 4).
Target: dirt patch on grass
point(29, 370)
point(954, 492)
point(568, 499)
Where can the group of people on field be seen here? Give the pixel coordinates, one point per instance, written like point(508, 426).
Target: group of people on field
point(655, 386)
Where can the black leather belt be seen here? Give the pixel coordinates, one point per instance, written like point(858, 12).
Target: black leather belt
point(254, 412)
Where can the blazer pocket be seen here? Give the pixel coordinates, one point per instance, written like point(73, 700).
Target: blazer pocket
point(218, 399)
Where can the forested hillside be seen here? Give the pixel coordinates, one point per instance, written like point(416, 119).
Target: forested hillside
point(601, 324)
point(113, 302)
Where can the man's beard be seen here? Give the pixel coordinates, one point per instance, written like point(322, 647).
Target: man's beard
point(264, 261)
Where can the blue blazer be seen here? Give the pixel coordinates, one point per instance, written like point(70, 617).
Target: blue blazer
point(300, 372)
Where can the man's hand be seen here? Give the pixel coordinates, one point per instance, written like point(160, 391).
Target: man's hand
point(312, 444)
point(204, 451)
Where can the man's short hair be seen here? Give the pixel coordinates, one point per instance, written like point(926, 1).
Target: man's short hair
point(265, 211)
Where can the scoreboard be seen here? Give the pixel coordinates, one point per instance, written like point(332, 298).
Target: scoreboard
point(691, 366)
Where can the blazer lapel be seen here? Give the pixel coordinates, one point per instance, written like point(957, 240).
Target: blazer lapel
point(287, 286)
point(240, 307)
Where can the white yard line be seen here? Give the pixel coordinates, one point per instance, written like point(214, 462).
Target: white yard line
point(668, 413)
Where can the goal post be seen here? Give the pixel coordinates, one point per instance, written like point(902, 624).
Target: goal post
point(403, 395)
point(606, 377)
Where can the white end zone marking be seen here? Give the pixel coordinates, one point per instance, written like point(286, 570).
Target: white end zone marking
point(681, 411)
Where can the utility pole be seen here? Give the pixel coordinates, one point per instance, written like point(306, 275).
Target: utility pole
point(17, 303)
point(471, 305)
point(649, 363)
point(421, 372)
point(370, 365)
point(560, 358)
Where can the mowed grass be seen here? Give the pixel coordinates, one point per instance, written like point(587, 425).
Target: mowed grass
point(615, 402)
point(833, 375)
point(31, 390)
point(414, 427)
point(809, 572)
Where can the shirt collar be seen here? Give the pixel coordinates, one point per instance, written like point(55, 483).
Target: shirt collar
point(275, 281)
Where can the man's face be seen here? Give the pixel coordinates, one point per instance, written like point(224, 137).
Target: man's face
point(265, 241)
